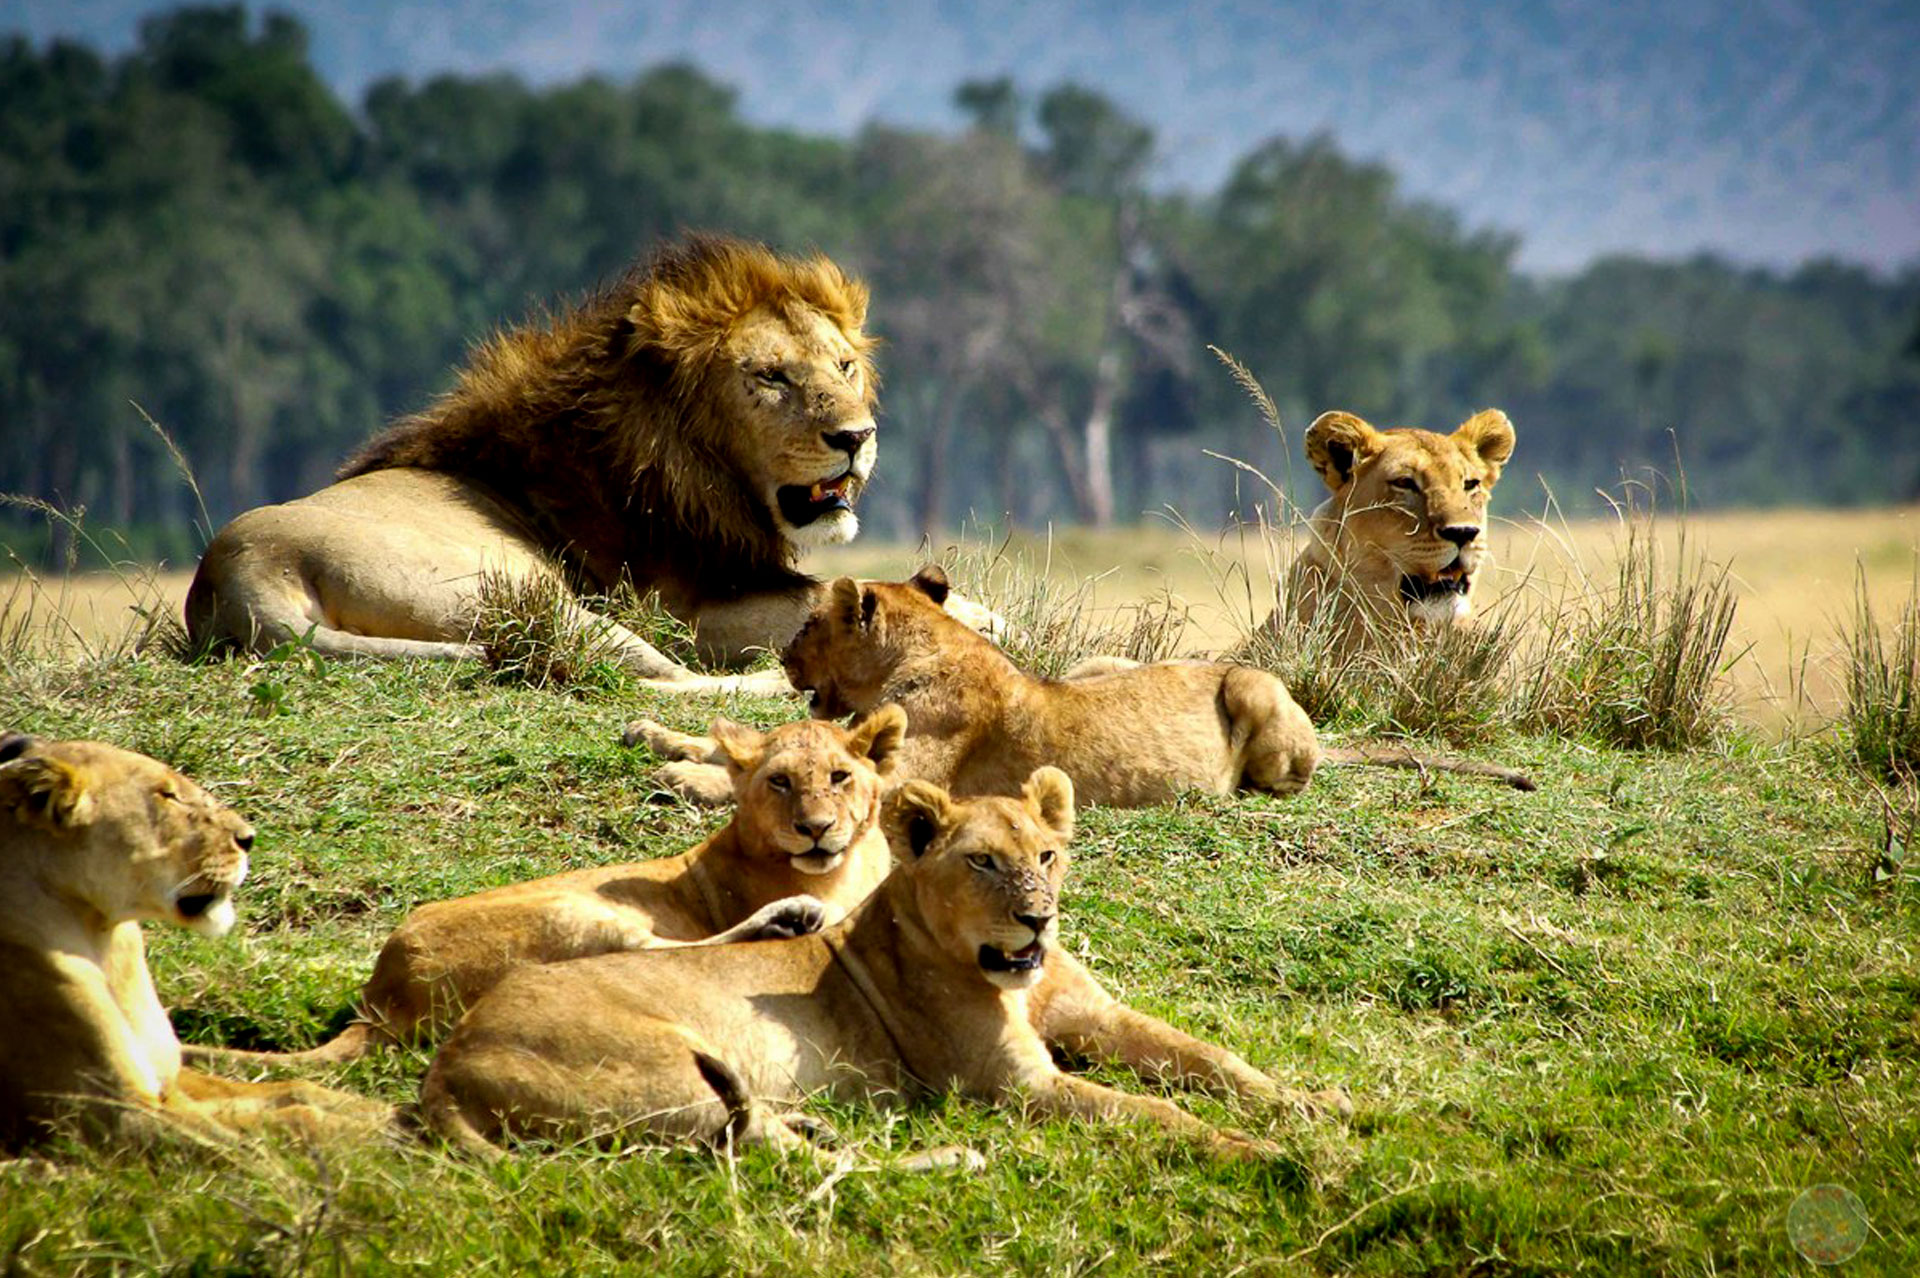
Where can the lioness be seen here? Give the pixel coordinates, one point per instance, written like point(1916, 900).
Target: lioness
point(94, 839)
point(804, 846)
point(923, 988)
point(691, 429)
point(1401, 540)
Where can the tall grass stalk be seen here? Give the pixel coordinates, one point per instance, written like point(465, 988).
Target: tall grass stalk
point(1883, 685)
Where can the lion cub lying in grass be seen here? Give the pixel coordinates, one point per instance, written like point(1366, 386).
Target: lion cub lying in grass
point(1128, 734)
point(804, 846)
point(924, 988)
point(94, 839)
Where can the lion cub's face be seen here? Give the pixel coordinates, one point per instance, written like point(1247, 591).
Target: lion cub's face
point(808, 791)
point(852, 644)
point(986, 873)
point(126, 835)
point(806, 387)
point(1412, 503)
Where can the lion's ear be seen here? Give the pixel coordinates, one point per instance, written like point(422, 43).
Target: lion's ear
point(1488, 435)
point(1050, 792)
point(13, 745)
point(1338, 442)
point(913, 818)
point(843, 601)
point(878, 737)
point(46, 792)
point(743, 746)
point(931, 581)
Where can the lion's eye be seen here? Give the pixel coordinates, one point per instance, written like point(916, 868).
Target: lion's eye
point(1046, 857)
point(1405, 484)
point(772, 377)
point(980, 861)
point(779, 785)
point(846, 369)
point(841, 776)
point(1471, 484)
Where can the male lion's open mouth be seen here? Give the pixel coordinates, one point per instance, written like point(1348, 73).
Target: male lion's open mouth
point(1026, 959)
point(801, 504)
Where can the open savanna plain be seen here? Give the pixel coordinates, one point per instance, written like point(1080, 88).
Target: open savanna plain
point(1616, 1026)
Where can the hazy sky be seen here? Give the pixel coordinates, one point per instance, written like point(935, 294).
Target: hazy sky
point(1765, 130)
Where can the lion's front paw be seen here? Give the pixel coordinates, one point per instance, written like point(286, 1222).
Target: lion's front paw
point(705, 784)
point(786, 919)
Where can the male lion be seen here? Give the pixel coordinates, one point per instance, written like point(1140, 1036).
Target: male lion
point(688, 430)
point(1400, 542)
point(923, 988)
point(804, 846)
point(92, 840)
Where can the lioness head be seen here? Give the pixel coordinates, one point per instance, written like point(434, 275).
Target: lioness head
point(122, 834)
point(810, 789)
point(1411, 505)
point(986, 872)
point(854, 641)
point(770, 352)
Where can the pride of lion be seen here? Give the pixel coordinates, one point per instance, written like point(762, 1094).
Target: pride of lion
point(879, 917)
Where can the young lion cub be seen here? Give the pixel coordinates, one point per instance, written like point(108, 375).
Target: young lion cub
point(94, 839)
point(923, 988)
point(804, 846)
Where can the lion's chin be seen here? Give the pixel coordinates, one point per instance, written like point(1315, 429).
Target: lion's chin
point(207, 915)
point(833, 529)
point(818, 861)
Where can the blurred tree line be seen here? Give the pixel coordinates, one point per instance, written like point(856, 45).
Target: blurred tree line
point(202, 232)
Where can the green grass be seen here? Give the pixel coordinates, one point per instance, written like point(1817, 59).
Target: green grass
point(1614, 1027)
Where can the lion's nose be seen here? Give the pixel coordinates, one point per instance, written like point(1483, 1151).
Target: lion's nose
point(1460, 534)
point(1038, 922)
point(848, 441)
point(813, 827)
point(244, 840)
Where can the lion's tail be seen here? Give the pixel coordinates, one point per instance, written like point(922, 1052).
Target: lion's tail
point(349, 1044)
point(1394, 757)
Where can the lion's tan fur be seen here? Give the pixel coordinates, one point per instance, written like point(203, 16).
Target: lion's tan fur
point(1400, 541)
point(922, 988)
point(94, 839)
point(803, 847)
point(978, 724)
point(647, 436)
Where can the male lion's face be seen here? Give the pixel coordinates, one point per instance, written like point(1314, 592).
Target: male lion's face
point(986, 872)
point(808, 791)
point(128, 836)
point(1413, 504)
point(806, 389)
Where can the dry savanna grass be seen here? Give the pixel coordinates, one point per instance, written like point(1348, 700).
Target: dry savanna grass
point(1797, 576)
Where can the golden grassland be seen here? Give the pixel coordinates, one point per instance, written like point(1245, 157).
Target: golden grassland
point(1795, 573)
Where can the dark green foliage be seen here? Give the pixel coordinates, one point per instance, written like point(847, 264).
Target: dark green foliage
point(200, 227)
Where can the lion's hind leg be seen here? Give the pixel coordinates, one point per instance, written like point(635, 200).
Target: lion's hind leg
point(596, 1079)
point(1272, 739)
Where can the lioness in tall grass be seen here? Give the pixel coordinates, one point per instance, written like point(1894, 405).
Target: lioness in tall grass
point(1400, 542)
point(922, 989)
point(804, 846)
point(93, 839)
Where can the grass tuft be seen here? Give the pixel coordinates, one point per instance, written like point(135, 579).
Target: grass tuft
point(1883, 686)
